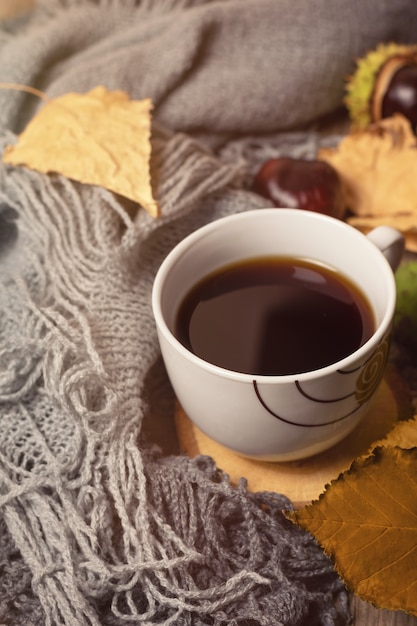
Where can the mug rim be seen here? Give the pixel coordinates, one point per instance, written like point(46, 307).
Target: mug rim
point(180, 248)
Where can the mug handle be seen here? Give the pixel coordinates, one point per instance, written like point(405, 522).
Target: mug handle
point(391, 243)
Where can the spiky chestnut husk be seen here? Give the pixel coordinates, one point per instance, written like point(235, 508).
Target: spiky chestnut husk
point(365, 89)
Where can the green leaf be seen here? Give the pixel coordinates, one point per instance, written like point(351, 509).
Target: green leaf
point(405, 320)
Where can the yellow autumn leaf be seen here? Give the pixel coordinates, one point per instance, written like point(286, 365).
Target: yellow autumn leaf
point(366, 521)
point(99, 138)
point(378, 168)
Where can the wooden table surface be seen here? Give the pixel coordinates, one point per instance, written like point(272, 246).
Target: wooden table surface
point(365, 614)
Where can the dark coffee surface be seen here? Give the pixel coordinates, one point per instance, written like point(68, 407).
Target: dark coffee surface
point(274, 316)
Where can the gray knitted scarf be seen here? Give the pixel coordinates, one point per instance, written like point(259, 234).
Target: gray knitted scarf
point(98, 524)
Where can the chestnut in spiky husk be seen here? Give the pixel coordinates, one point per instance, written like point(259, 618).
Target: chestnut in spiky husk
point(384, 83)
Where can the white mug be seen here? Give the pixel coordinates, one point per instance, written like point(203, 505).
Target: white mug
point(285, 417)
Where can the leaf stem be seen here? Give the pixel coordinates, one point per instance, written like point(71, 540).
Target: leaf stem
point(27, 88)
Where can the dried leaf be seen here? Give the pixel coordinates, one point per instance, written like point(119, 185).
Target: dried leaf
point(100, 138)
point(366, 521)
point(403, 435)
point(378, 167)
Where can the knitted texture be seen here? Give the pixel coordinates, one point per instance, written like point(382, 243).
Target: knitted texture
point(98, 526)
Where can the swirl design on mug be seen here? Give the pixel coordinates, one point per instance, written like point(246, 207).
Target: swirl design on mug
point(301, 424)
point(370, 376)
point(372, 372)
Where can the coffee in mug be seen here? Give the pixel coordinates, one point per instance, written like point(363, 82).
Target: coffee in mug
point(274, 316)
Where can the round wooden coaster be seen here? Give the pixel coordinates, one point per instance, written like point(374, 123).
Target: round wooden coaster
point(303, 481)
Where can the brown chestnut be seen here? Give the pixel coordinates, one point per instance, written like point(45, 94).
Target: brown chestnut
point(312, 185)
